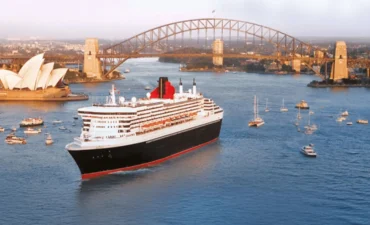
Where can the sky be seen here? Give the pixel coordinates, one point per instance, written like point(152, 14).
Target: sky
point(119, 19)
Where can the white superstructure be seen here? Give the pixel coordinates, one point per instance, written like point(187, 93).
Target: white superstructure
point(120, 122)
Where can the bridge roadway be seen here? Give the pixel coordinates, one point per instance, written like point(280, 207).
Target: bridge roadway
point(74, 59)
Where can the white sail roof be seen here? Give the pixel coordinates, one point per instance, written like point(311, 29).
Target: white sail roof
point(22, 72)
point(9, 78)
point(56, 75)
point(44, 75)
point(29, 72)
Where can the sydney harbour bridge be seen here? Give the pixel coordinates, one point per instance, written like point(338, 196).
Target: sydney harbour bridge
point(156, 42)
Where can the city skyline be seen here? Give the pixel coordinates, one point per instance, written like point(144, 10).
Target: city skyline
point(117, 20)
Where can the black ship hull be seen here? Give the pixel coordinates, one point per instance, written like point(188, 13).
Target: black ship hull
point(98, 162)
point(31, 125)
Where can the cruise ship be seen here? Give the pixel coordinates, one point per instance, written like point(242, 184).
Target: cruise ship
point(128, 135)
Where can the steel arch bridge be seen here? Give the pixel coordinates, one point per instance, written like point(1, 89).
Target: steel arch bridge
point(154, 42)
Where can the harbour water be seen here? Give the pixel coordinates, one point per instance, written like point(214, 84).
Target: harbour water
point(249, 176)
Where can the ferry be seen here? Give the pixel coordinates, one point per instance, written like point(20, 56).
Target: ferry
point(302, 105)
point(129, 135)
point(12, 139)
point(29, 122)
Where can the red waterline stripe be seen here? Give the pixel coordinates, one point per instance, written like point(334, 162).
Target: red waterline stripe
point(153, 163)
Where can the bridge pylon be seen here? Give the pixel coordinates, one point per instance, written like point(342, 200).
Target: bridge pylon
point(218, 49)
point(339, 68)
point(92, 64)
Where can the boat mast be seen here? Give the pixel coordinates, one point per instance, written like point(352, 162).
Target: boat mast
point(266, 102)
point(254, 107)
point(257, 107)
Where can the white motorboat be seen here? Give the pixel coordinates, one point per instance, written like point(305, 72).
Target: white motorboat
point(49, 140)
point(30, 130)
point(62, 128)
point(127, 70)
point(345, 113)
point(257, 121)
point(57, 121)
point(362, 121)
point(308, 151)
point(147, 88)
point(283, 108)
point(311, 112)
point(349, 123)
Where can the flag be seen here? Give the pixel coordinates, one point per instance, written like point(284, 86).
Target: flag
point(213, 11)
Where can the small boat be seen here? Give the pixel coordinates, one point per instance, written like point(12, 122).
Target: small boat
point(57, 121)
point(14, 129)
point(308, 151)
point(302, 105)
point(349, 123)
point(147, 88)
point(226, 71)
point(75, 117)
point(62, 128)
point(257, 121)
point(30, 130)
point(267, 109)
point(73, 124)
point(127, 70)
point(29, 122)
point(345, 113)
point(308, 131)
point(362, 121)
point(49, 140)
point(234, 72)
point(311, 112)
point(2, 129)
point(283, 108)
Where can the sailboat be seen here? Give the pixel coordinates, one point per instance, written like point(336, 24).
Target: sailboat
point(283, 108)
point(267, 109)
point(257, 121)
point(299, 114)
point(310, 127)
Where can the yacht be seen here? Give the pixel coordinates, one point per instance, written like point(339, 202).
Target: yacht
point(345, 113)
point(283, 108)
point(49, 140)
point(30, 130)
point(308, 151)
point(257, 121)
point(362, 121)
point(2, 129)
point(267, 109)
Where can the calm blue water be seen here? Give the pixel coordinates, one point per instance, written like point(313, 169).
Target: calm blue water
point(250, 176)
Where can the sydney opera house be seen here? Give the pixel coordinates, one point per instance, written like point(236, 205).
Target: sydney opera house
point(35, 81)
